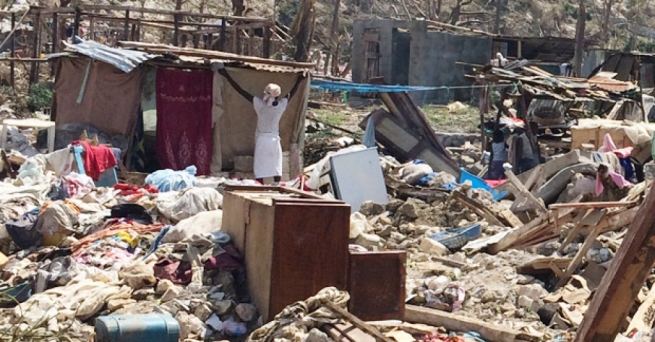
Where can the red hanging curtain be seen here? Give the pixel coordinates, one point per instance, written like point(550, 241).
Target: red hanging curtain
point(184, 109)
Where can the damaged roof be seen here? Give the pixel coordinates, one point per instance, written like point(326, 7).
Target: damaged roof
point(544, 84)
point(132, 54)
point(124, 60)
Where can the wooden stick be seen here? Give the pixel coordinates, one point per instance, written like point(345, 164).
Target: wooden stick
point(642, 321)
point(591, 205)
point(357, 322)
point(453, 322)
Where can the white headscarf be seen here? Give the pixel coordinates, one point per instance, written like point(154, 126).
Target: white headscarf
point(271, 92)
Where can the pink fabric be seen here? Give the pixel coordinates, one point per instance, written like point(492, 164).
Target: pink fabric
point(619, 180)
point(609, 146)
point(184, 119)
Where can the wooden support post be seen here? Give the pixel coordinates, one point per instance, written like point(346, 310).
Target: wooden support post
point(76, 24)
point(36, 48)
point(176, 30)
point(13, 51)
point(208, 41)
point(55, 32)
point(221, 39)
point(251, 34)
point(621, 284)
point(238, 47)
point(92, 28)
point(138, 30)
point(126, 26)
point(266, 44)
point(536, 204)
point(577, 260)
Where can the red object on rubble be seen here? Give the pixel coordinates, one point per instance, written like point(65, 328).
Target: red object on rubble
point(127, 189)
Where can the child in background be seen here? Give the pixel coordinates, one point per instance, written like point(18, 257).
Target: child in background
point(498, 156)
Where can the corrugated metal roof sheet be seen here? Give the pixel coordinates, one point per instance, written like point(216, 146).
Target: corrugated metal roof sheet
point(124, 60)
point(256, 66)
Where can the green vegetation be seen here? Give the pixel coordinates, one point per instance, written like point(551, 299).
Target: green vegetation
point(465, 120)
point(40, 96)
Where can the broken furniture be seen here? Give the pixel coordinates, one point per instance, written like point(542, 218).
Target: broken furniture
point(29, 123)
point(623, 281)
point(108, 178)
point(357, 177)
point(376, 284)
point(294, 243)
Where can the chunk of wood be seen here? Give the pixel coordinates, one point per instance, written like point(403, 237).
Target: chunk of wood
point(622, 282)
point(453, 322)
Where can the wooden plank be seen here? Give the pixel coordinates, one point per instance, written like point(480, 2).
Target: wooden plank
point(577, 260)
point(478, 208)
point(618, 290)
point(357, 322)
point(453, 322)
point(573, 233)
point(536, 204)
point(591, 205)
point(643, 319)
point(347, 333)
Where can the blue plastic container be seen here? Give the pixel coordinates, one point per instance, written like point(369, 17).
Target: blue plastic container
point(455, 238)
point(478, 183)
point(137, 328)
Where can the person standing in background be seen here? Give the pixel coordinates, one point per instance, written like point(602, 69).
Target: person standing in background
point(498, 156)
point(269, 109)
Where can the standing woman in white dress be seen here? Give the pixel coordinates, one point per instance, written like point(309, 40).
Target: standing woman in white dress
point(269, 109)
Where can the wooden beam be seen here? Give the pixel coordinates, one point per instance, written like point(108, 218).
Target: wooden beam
point(13, 51)
point(536, 204)
point(453, 322)
point(621, 284)
point(591, 205)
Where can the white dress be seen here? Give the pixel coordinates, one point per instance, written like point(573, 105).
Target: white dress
point(268, 151)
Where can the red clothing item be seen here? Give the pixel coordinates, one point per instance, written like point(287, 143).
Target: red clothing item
point(97, 159)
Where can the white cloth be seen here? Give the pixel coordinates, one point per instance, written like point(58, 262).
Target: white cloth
point(268, 150)
point(268, 156)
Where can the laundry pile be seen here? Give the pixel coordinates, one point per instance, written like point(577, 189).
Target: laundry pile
point(72, 252)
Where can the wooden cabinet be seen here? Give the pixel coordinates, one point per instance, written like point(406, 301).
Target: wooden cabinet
point(294, 243)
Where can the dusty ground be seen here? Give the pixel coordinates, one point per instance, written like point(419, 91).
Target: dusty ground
point(465, 120)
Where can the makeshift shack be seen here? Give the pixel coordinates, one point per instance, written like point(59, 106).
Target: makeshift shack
point(198, 118)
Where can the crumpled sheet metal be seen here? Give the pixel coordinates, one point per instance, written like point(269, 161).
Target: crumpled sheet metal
point(124, 60)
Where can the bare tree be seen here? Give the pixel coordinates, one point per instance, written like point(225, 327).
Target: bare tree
point(579, 38)
point(457, 10)
point(604, 29)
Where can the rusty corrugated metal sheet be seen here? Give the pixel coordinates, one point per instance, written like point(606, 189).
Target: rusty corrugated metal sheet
point(124, 60)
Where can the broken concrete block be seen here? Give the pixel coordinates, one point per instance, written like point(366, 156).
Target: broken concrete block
point(370, 208)
point(222, 307)
point(163, 285)
point(433, 247)
point(408, 210)
point(171, 294)
point(246, 312)
point(115, 304)
point(143, 294)
point(316, 335)
point(394, 204)
point(138, 275)
point(532, 291)
point(203, 311)
point(368, 240)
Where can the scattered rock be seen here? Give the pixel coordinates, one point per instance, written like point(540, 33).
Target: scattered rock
point(316, 335)
point(433, 247)
point(394, 204)
point(368, 240)
point(408, 210)
point(171, 293)
point(532, 291)
point(222, 307)
point(370, 208)
point(203, 311)
point(246, 312)
point(163, 285)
